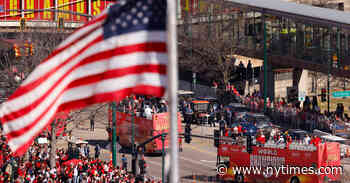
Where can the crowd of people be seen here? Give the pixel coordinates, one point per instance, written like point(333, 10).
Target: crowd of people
point(144, 106)
point(75, 164)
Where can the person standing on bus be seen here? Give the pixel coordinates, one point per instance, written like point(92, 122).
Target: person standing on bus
point(148, 112)
point(307, 139)
point(261, 139)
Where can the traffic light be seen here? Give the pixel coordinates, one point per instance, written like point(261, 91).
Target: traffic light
point(22, 23)
point(323, 94)
point(17, 51)
point(31, 49)
point(60, 23)
point(216, 138)
point(188, 130)
point(27, 49)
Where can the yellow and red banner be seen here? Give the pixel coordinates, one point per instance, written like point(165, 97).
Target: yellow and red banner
point(78, 6)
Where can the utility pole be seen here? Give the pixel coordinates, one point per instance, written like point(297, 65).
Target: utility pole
point(265, 62)
point(133, 153)
point(53, 145)
point(114, 134)
point(163, 158)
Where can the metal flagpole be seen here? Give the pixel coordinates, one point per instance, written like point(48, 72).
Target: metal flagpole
point(172, 90)
point(114, 134)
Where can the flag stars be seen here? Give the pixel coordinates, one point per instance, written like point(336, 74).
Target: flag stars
point(144, 8)
point(128, 17)
point(122, 2)
point(145, 20)
point(139, 4)
point(140, 14)
point(117, 21)
point(113, 28)
point(135, 22)
point(133, 10)
point(124, 24)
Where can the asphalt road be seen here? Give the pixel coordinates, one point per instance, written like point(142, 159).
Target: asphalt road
point(196, 162)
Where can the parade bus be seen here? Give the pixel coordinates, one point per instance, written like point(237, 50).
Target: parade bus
point(144, 129)
point(323, 158)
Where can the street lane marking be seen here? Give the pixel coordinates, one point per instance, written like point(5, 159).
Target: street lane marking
point(207, 161)
point(203, 151)
point(196, 162)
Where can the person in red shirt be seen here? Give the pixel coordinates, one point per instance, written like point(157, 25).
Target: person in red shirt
point(261, 139)
point(316, 140)
point(240, 130)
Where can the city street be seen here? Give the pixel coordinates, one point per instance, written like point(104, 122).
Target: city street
point(197, 161)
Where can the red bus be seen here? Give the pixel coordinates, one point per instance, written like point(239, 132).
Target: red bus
point(306, 163)
point(144, 130)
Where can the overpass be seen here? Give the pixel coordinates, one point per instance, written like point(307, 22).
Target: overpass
point(293, 35)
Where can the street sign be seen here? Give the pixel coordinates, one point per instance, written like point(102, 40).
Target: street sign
point(340, 94)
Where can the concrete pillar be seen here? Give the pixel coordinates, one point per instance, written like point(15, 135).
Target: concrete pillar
point(296, 76)
point(302, 80)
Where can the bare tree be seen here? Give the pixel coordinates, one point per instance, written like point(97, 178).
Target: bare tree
point(212, 44)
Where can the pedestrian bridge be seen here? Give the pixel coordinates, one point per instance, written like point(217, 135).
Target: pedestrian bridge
point(295, 35)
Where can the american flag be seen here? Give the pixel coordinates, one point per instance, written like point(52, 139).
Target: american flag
point(123, 51)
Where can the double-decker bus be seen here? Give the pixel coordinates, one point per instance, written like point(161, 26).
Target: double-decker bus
point(144, 130)
point(302, 163)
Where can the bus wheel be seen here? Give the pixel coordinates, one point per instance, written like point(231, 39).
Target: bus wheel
point(239, 178)
point(295, 180)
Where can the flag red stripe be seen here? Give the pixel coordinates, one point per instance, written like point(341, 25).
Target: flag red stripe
point(30, 86)
point(114, 96)
point(110, 96)
point(89, 80)
point(59, 50)
point(146, 47)
point(161, 69)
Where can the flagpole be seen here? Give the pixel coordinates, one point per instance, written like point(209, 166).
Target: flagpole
point(172, 90)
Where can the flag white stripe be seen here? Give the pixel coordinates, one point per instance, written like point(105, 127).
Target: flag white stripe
point(55, 61)
point(122, 61)
point(81, 32)
point(122, 40)
point(102, 87)
point(116, 62)
point(36, 93)
point(109, 85)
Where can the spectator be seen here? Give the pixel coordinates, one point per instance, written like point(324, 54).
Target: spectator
point(222, 126)
point(97, 151)
point(148, 112)
point(87, 150)
point(124, 162)
point(92, 122)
